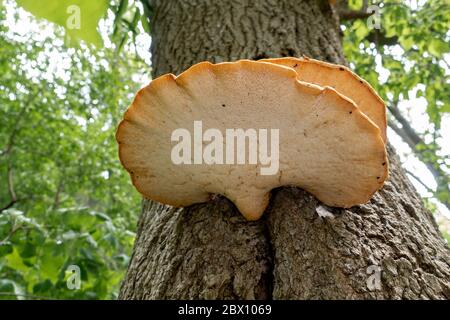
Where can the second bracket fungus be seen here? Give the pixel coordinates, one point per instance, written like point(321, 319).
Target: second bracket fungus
point(242, 128)
point(344, 81)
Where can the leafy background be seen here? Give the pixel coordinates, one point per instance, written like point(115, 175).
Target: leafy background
point(64, 198)
point(75, 204)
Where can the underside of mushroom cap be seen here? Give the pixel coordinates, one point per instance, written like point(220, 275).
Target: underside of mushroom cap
point(344, 81)
point(327, 146)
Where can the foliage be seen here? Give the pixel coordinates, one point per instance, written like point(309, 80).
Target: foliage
point(79, 17)
point(413, 48)
point(74, 204)
point(66, 200)
point(88, 13)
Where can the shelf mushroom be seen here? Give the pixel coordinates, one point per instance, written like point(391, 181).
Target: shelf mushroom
point(242, 128)
point(344, 81)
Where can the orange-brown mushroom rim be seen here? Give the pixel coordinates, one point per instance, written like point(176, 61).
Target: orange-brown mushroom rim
point(328, 147)
point(344, 81)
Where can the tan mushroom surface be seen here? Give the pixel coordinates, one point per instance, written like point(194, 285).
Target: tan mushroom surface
point(344, 81)
point(327, 146)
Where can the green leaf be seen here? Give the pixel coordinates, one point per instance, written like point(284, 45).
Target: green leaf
point(42, 287)
point(79, 17)
point(5, 249)
point(15, 261)
point(145, 24)
point(28, 251)
point(361, 30)
point(407, 42)
point(437, 47)
point(51, 265)
point(123, 5)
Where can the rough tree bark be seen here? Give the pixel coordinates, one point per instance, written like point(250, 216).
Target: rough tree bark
point(210, 251)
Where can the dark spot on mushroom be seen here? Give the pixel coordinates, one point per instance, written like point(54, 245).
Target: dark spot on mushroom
point(223, 105)
point(340, 68)
point(350, 112)
point(378, 177)
point(383, 164)
point(295, 65)
point(360, 81)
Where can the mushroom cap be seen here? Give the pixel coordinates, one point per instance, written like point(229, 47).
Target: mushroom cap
point(344, 81)
point(327, 146)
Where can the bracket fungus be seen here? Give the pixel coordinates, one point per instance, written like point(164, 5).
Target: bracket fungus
point(344, 81)
point(224, 123)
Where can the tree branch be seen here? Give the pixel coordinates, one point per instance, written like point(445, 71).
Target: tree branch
point(14, 132)
point(413, 140)
point(379, 37)
point(419, 181)
point(410, 136)
point(7, 152)
point(11, 191)
point(56, 200)
point(347, 14)
point(405, 137)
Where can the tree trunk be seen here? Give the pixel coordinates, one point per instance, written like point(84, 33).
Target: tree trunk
point(208, 251)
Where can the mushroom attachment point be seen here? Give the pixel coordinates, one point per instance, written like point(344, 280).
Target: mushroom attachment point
point(241, 129)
